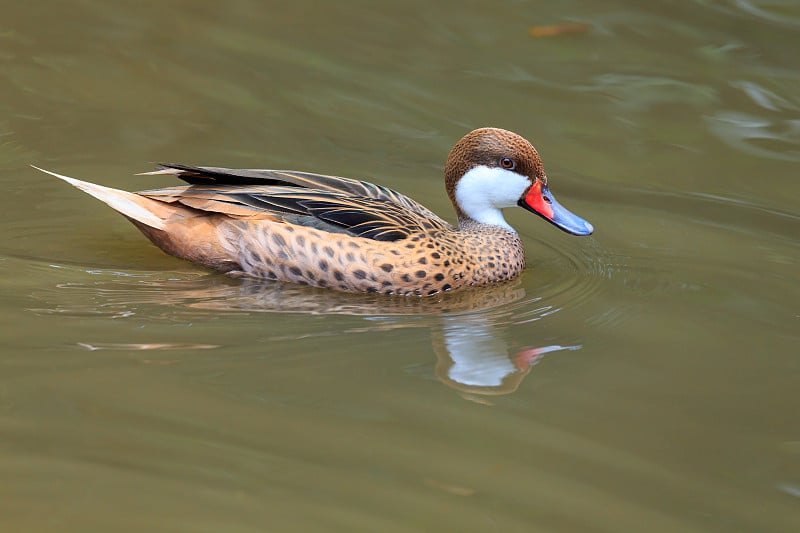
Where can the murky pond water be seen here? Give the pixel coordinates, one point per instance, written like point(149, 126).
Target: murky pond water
point(648, 374)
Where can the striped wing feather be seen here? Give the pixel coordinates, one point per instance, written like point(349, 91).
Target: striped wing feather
point(306, 180)
point(324, 202)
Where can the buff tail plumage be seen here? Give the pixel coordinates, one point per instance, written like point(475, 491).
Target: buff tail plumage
point(133, 206)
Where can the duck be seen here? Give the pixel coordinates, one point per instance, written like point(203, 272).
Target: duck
point(347, 234)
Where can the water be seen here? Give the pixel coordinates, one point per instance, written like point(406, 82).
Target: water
point(645, 375)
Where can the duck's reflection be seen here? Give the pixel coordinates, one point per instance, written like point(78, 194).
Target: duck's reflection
point(247, 294)
point(474, 357)
point(469, 328)
point(470, 340)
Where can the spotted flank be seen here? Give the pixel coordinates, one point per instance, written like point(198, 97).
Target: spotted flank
point(351, 235)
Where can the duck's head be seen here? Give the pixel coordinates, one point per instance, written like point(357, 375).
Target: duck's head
point(490, 169)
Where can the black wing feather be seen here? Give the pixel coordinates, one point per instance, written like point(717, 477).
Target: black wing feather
point(337, 204)
point(210, 176)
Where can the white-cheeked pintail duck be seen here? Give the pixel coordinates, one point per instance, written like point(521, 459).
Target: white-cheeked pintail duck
point(351, 235)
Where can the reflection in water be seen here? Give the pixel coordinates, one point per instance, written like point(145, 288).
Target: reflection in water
point(473, 356)
point(132, 346)
point(250, 294)
point(781, 11)
point(764, 97)
point(468, 328)
point(774, 132)
point(776, 139)
point(788, 488)
point(117, 295)
point(638, 92)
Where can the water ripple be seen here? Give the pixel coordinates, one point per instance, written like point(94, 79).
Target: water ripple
point(777, 11)
point(756, 135)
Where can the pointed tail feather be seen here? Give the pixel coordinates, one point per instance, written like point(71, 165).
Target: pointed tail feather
point(129, 204)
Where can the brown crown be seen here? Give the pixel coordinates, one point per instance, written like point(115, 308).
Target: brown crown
point(487, 146)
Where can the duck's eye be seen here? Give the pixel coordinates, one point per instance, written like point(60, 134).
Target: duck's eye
point(508, 163)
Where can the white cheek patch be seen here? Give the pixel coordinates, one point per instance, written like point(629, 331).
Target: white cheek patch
point(483, 191)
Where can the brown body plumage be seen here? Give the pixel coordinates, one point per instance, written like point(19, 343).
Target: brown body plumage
point(346, 234)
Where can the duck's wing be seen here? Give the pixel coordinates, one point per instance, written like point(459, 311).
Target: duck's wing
point(289, 178)
point(373, 218)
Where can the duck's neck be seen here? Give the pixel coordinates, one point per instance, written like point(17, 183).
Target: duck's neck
point(496, 224)
point(488, 217)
